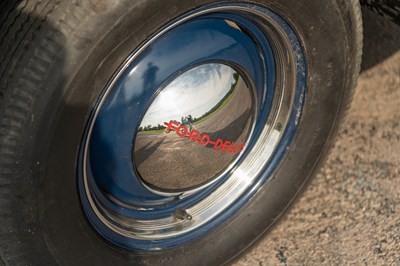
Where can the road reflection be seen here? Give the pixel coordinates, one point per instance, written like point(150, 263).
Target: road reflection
point(170, 162)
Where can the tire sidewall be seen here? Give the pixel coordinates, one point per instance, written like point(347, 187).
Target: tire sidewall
point(66, 231)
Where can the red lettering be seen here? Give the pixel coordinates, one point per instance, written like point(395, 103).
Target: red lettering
point(225, 145)
point(230, 148)
point(218, 144)
point(171, 125)
point(205, 139)
point(236, 149)
point(182, 131)
point(194, 135)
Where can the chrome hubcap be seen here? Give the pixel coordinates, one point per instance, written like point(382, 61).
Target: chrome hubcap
point(191, 126)
point(194, 129)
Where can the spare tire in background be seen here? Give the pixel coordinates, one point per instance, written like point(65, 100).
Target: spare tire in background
point(163, 132)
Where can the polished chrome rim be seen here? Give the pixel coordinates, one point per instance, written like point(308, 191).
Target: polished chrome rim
point(127, 202)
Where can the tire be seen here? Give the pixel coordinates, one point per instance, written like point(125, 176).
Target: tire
point(56, 59)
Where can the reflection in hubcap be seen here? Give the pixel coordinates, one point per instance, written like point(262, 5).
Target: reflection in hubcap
point(205, 115)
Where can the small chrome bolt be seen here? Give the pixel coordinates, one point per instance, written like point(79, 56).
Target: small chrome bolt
point(182, 214)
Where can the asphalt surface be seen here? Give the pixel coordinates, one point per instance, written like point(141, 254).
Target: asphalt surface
point(350, 212)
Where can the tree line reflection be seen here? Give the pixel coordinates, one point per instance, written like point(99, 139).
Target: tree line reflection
point(188, 118)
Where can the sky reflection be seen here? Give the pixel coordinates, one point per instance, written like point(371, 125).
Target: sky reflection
point(193, 93)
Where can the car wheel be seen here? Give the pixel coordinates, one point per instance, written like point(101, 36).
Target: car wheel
point(173, 132)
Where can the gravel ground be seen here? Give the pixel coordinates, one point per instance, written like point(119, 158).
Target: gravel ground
point(350, 212)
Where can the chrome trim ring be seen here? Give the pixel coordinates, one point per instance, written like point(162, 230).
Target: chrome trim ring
point(119, 205)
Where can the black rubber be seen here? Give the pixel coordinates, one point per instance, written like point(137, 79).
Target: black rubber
point(55, 58)
point(386, 8)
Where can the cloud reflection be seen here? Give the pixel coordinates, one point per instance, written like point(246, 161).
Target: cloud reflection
point(193, 93)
